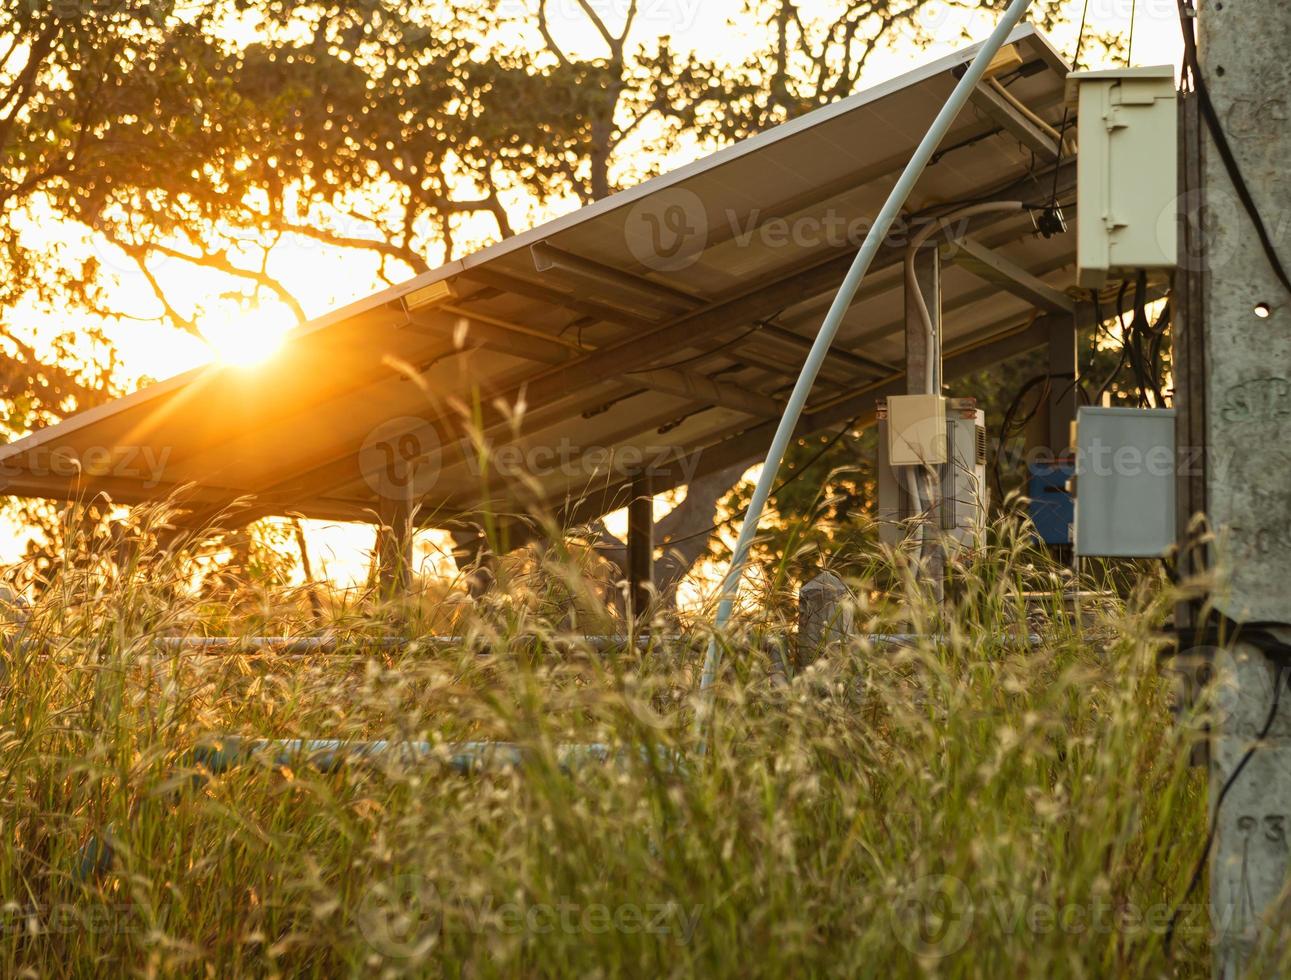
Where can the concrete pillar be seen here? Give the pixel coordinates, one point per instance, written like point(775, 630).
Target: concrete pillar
point(1246, 319)
point(824, 617)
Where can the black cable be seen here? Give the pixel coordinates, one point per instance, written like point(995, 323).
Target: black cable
point(1120, 317)
point(1139, 327)
point(1062, 128)
point(1129, 49)
point(713, 351)
point(601, 409)
point(1008, 427)
point(1225, 151)
point(1132, 346)
point(1200, 869)
point(1159, 333)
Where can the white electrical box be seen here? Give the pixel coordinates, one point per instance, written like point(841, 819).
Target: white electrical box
point(1126, 186)
point(963, 495)
point(1125, 482)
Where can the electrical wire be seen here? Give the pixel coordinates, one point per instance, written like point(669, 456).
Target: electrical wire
point(1066, 112)
point(912, 282)
point(1144, 361)
point(1220, 139)
point(1148, 339)
point(713, 351)
point(1125, 347)
point(1009, 428)
point(1129, 48)
point(1200, 868)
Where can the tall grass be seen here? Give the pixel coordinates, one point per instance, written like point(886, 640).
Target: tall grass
point(969, 807)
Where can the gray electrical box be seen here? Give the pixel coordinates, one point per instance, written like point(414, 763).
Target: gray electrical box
point(1125, 466)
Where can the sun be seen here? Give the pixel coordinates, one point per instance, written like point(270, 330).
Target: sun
point(248, 338)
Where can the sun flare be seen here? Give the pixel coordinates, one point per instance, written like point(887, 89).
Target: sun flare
point(248, 339)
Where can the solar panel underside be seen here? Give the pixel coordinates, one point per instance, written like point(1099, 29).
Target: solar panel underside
point(659, 328)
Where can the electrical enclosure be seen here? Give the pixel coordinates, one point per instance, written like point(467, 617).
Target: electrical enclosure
point(916, 430)
point(1127, 198)
point(1125, 482)
point(1050, 508)
point(963, 495)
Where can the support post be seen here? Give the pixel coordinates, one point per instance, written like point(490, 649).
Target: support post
point(1064, 373)
point(640, 547)
point(1246, 321)
point(475, 559)
point(394, 546)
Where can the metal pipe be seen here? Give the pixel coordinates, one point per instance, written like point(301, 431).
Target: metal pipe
point(929, 328)
point(330, 644)
point(328, 754)
point(820, 347)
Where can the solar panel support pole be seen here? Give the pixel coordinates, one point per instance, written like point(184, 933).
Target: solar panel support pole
point(394, 546)
point(820, 347)
point(640, 546)
point(1065, 368)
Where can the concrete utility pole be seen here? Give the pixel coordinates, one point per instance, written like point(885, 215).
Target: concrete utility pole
point(1246, 325)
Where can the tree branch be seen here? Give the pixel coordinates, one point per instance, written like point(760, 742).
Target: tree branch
point(545, 30)
point(220, 262)
point(614, 44)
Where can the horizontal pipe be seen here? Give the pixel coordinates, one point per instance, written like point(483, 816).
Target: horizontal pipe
point(329, 754)
point(329, 644)
point(301, 647)
point(914, 639)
